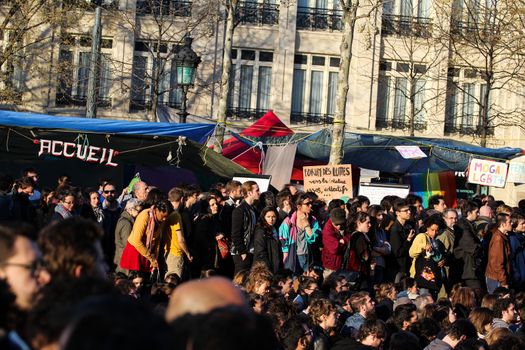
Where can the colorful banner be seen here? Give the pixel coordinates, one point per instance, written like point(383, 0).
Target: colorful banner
point(516, 173)
point(429, 184)
point(487, 172)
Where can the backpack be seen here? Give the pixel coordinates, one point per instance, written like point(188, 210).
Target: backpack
point(351, 261)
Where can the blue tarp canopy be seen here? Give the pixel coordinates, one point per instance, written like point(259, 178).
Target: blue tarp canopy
point(378, 152)
point(195, 132)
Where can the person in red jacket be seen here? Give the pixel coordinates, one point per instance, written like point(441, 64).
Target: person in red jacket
point(335, 241)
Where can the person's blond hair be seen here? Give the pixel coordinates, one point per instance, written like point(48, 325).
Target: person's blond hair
point(496, 334)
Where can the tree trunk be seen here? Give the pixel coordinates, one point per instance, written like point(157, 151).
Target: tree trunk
point(338, 131)
point(231, 6)
point(412, 106)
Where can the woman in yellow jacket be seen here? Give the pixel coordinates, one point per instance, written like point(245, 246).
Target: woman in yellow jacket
point(427, 258)
point(142, 249)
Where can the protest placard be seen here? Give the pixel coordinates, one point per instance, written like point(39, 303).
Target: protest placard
point(487, 172)
point(328, 181)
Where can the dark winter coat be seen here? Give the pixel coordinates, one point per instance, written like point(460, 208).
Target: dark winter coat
point(267, 249)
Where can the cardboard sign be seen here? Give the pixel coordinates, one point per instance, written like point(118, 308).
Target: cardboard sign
point(90, 154)
point(328, 181)
point(411, 152)
point(487, 172)
point(516, 173)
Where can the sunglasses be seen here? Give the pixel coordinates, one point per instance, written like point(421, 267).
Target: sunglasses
point(110, 191)
point(307, 203)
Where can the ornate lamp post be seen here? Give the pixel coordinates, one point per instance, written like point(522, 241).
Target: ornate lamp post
point(187, 61)
point(96, 39)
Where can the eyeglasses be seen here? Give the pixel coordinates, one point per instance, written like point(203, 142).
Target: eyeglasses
point(110, 191)
point(33, 268)
point(69, 203)
point(404, 210)
point(307, 203)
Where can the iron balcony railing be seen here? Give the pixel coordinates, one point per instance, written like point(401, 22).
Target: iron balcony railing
point(399, 124)
point(145, 105)
point(467, 129)
point(406, 26)
point(257, 13)
point(311, 118)
point(245, 113)
point(63, 100)
point(173, 8)
point(313, 18)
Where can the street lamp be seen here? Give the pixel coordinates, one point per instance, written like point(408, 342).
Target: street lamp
point(96, 40)
point(187, 61)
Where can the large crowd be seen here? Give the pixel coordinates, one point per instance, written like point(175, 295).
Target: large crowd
point(234, 268)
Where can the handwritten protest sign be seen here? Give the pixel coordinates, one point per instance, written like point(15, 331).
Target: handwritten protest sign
point(328, 181)
point(516, 173)
point(487, 173)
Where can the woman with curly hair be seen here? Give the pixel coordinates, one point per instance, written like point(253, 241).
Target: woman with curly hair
point(324, 316)
point(259, 279)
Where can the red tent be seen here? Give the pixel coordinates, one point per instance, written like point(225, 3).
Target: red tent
point(269, 125)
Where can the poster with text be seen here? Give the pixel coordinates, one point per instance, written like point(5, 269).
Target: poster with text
point(487, 173)
point(329, 181)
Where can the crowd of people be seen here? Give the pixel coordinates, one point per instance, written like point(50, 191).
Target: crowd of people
point(232, 268)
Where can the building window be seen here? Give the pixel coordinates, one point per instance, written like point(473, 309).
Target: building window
point(407, 18)
point(154, 77)
point(74, 71)
point(250, 83)
point(465, 103)
point(260, 12)
point(469, 17)
point(160, 8)
point(319, 15)
point(400, 85)
point(314, 89)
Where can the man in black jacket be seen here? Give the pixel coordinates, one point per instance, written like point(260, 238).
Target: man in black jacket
point(468, 248)
point(244, 218)
point(401, 236)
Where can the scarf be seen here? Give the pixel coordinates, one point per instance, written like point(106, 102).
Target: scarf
point(150, 230)
point(63, 211)
point(99, 214)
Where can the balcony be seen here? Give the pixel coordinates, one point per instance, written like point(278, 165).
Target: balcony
point(466, 129)
point(64, 100)
point(399, 124)
point(137, 105)
point(245, 113)
point(257, 13)
point(406, 26)
point(471, 29)
point(173, 8)
point(312, 18)
point(311, 118)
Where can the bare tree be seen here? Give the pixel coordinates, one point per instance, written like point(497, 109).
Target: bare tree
point(159, 27)
point(350, 17)
point(27, 30)
point(486, 48)
point(418, 57)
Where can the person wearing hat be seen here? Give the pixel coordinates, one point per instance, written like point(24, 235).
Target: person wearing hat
point(335, 241)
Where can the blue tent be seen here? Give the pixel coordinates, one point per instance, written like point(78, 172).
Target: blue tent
point(378, 152)
point(152, 148)
point(195, 132)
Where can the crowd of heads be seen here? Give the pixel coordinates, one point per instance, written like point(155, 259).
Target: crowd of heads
point(61, 284)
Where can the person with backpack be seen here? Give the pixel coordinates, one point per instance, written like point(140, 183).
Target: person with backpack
point(358, 255)
point(297, 233)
